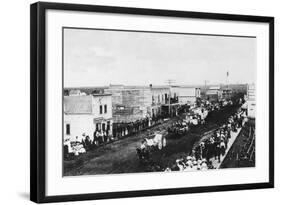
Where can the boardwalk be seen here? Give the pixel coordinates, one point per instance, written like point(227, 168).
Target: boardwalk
point(234, 135)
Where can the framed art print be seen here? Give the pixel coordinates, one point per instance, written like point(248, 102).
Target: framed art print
point(129, 102)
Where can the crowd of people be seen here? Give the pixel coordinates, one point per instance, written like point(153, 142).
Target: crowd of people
point(123, 129)
point(212, 147)
point(80, 146)
point(243, 154)
point(193, 117)
point(216, 145)
point(197, 116)
point(101, 137)
point(178, 128)
point(190, 163)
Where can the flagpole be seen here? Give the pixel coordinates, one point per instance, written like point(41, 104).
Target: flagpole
point(227, 74)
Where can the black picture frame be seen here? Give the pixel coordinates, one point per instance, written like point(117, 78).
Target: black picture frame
point(38, 100)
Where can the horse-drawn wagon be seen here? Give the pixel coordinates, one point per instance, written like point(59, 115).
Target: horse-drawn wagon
point(151, 144)
point(178, 129)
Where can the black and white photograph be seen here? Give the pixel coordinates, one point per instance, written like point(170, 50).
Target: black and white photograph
point(145, 101)
point(134, 102)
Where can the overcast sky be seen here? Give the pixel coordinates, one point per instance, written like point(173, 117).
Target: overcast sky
point(100, 58)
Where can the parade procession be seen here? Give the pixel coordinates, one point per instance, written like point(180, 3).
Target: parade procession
point(134, 102)
point(123, 129)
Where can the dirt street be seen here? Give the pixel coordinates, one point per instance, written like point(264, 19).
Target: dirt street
point(120, 156)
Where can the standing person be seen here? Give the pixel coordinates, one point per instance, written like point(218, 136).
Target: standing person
point(83, 143)
point(211, 148)
point(204, 165)
point(101, 137)
point(67, 148)
point(83, 140)
point(114, 130)
point(87, 143)
point(117, 130)
point(217, 148)
point(126, 129)
point(105, 136)
point(226, 139)
point(95, 138)
point(197, 152)
point(207, 149)
point(202, 147)
point(222, 147)
point(239, 121)
point(222, 136)
point(139, 125)
point(98, 138)
point(122, 129)
point(108, 136)
point(77, 140)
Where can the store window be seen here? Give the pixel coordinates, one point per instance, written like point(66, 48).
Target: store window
point(100, 109)
point(68, 129)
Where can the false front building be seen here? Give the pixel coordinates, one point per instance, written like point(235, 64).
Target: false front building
point(85, 114)
point(131, 103)
point(159, 98)
point(188, 95)
point(251, 101)
point(214, 93)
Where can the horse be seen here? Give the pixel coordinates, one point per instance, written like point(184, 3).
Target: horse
point(158, 141)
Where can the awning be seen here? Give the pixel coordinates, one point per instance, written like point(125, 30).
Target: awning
point(101, 119)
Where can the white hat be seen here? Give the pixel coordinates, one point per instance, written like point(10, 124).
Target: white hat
point(188, 157)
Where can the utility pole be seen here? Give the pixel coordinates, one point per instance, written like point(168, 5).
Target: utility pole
point(205, 82)
point(169, 82)
point(227, 86)
point(227, 75)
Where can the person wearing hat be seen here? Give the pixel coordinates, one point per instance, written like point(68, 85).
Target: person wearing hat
point(101, 137)
point(197, 152)
point(83, 140)
point(195, 165)
point(143, 144)
point(67, 148)
point(180, 165)
point(88, 143)
point(77, 140)
point(188, 158)
point(204, 165)
point(217, 148)
point(167, 170)
point(222, 147)
point(198, 167)
point(193, 158)
point(189, 161)
point(199, 161)
point(201, 149)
